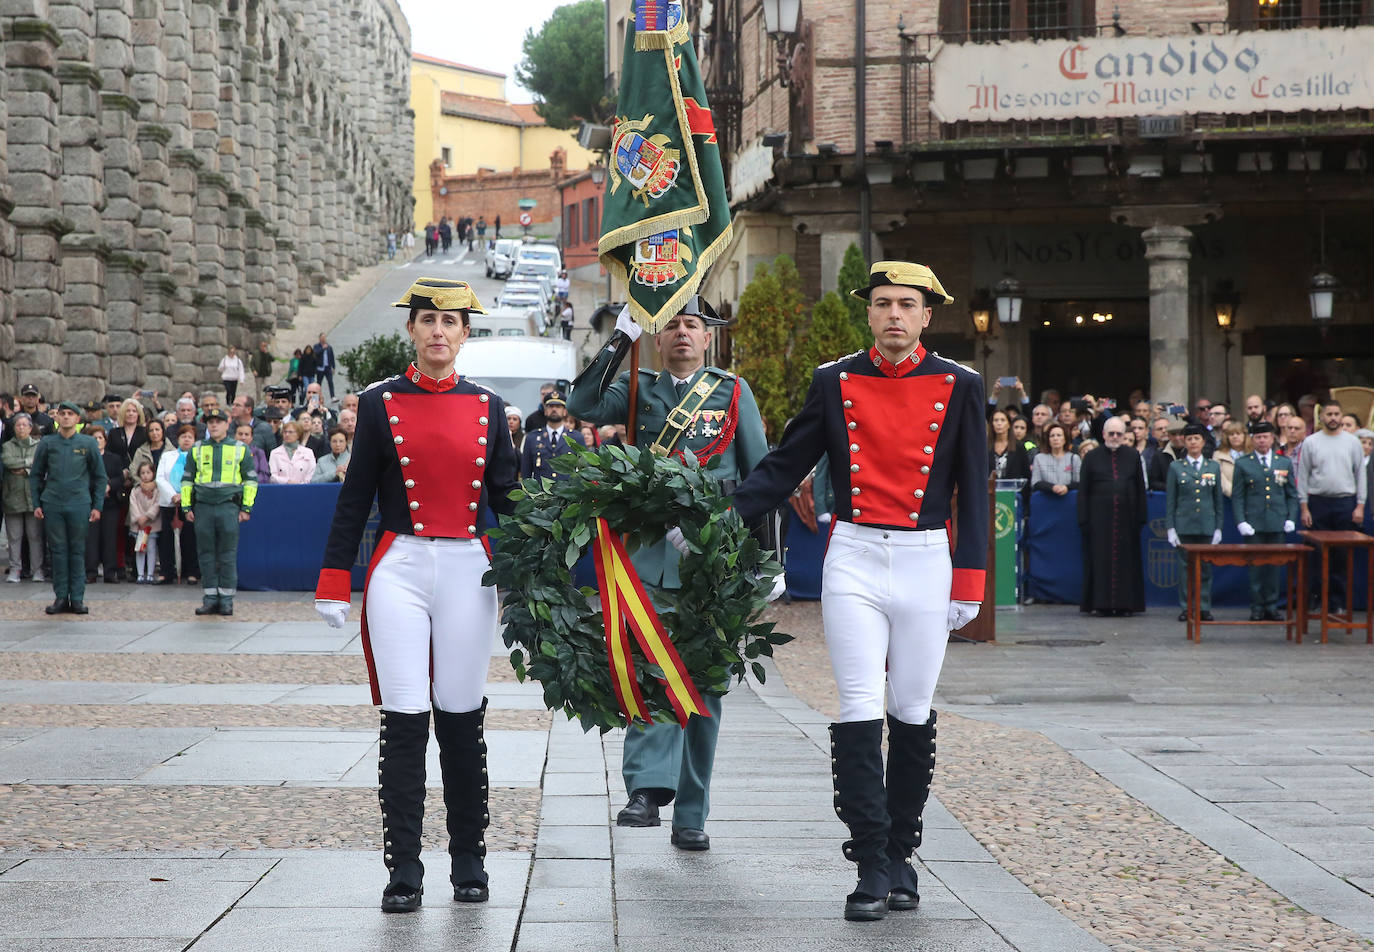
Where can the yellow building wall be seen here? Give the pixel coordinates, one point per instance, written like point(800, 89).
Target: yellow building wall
point(475, 143)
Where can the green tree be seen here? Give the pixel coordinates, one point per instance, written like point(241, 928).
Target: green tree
point(854, 274)
point(770, 312)
point(565, 64)
point(376, 359)
point(829, 336)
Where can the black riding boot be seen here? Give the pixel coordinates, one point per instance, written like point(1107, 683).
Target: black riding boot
point(401, 775)
point(856, 759)
point(910, 767)
point(463, 759)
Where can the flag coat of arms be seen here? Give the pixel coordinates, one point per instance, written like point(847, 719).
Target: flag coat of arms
point(665, 216)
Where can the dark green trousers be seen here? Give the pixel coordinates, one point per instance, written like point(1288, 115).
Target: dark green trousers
point(1264, 579)
point(676, 758)
point(66, 528)
point(1183, 580)
point(217, 542)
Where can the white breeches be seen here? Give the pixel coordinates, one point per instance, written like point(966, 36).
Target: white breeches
point(431, 623)
point(885, 602)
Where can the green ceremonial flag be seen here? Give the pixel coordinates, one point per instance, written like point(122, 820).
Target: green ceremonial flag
point(665, 215)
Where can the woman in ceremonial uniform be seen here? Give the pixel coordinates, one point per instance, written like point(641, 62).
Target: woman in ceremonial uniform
point(434, 450)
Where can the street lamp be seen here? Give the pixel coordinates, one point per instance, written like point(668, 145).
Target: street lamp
point(1224, 302)
point(980, 312)
point(1009, 300)
point(1321, 294)
point(781, 19)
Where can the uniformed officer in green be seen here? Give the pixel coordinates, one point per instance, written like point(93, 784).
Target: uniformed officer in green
point(218, 487)
point(1192, 512)
point(68, 484)
point(1264, 499)
point(686, 406)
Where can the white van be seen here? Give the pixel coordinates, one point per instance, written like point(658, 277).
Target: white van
point(507, 322)
point(516, 367)
point(549, 254)
point(500, 257)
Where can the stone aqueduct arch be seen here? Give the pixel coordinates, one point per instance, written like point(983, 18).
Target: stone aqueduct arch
point(176, 175)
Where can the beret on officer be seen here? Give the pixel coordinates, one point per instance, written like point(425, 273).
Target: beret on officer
point(70, 405)
point(1194, 429)
point(441, 294)
point(1261, 426)
point(904, 274)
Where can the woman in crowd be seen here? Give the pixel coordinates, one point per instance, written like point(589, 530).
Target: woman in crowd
point(1056, 470)
point(1006, 457)
point(307, 367)
point(102, 541)
point(291, 463)
point(129, 433)
point(144, 518)
point(313, 435)
point(332, 467)
point(433, 449)
point(1020, 432)
point(149, 452)
point(515, 421)
point(244, 434)
point(169, 470)
point(1234, 444)
point(1086, 447)
point(293, 376)
point(16, 455)
point(590, 434)
point(231, 373)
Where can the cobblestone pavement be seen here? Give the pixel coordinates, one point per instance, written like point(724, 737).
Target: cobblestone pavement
point(1110, 862)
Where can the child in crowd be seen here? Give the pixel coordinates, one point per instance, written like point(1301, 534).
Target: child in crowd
point(144, 519)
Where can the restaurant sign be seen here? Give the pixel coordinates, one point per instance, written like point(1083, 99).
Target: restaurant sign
point(1132, 76)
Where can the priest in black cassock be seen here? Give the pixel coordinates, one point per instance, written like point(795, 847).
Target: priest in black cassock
point(1111, 512)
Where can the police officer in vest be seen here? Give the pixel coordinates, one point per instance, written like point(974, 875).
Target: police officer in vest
point(541, 446)
point(1192, 512)
point(686, 406)
point(218, 487)
point(1264, 499)
point(68, 482)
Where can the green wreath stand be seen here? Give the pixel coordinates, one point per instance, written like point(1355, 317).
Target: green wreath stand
point(557, 632)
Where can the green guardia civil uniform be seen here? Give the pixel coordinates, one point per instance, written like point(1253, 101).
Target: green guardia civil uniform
point(665, 756)
point(1193, 509)
point(1264, 495)
point(219, 481)
point(68, 480)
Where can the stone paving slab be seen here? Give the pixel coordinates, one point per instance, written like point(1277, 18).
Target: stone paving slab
point(84, 910)
point(28, 944)
point(91, 754)
point(441, 926)
point(75, 868)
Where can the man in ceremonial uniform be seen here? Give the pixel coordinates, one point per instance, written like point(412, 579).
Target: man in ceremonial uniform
point(902, 428)
point(541, 446)
point(68, 483)
point(1264, 499)
point(688, 406)
point(218, 487)
point(1192, 512)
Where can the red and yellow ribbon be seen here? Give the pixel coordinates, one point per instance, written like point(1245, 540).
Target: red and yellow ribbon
point(625, 605)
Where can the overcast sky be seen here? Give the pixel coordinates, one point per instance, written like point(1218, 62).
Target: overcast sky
point(485, 33)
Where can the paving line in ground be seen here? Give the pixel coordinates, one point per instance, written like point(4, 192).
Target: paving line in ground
point(177, 668)
point(346, 716)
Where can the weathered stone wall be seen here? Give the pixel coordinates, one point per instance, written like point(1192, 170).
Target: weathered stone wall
point(178, 175)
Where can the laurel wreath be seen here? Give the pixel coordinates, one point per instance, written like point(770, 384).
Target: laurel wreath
point(555, 628)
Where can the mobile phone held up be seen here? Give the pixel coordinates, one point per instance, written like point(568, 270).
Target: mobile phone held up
point(1006, 382)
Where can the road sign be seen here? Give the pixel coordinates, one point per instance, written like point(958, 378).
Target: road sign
point(526, 219)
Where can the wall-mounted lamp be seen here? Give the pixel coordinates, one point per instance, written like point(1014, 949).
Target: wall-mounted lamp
point(1009, 300)
point(781, 18)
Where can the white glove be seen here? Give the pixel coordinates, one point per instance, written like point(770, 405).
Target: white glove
point(626, 324)
point(823, 517)
point(1173, 538)
point(334, 613)
point(961, 613)
point(676, 540)
point(779, 587)
point(1216, 536)
point(1245, 529)
point(1288, 525)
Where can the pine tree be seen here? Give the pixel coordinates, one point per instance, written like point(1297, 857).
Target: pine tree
point(854, 274)
point(770, 310)
point(829, 336)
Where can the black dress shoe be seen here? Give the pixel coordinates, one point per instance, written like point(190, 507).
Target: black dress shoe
point(642, 810)
point(471, 892)
point(1271, 615)
point(79, 608)
point(691, 840)
point(58, 607)
point(901, 900)
point(1257, 614)
point(1182, 616)
point(1206, 616)
point(862, 908)
point(402, 898)
point(209, 606)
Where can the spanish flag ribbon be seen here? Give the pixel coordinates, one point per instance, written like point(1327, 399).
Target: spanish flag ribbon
point(625, 605)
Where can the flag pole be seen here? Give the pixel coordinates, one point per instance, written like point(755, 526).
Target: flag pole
point(633, 411)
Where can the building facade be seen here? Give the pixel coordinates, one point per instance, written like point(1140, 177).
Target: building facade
point(465, 128)
point(1134, 175)
point(179, 175)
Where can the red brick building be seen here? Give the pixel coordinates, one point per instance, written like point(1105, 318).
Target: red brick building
point(490, 194)
point(580, 201)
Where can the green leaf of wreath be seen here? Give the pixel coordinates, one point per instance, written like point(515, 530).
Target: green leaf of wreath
point(556, 629)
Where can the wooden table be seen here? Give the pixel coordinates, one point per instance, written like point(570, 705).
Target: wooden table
point(1325, 540)
point(1260, 553)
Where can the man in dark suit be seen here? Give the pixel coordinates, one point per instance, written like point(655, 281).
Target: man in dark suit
point(541, 446)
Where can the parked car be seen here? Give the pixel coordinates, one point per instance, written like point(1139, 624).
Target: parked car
point(500, 257)
point(520, 286)
point(540, 252)
point(545, 272)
